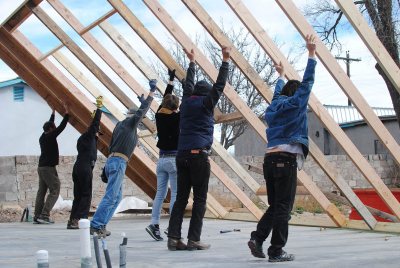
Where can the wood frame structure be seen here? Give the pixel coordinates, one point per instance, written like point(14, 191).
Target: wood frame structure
point(50, 82)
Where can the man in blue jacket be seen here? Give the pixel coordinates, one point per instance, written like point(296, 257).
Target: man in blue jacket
point(195, 140)
point(287, 148)
point(123, 142)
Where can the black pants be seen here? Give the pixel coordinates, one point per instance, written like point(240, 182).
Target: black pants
point(193, 171)
point(280, 174)
point(82, 175)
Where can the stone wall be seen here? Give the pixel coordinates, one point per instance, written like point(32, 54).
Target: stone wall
point(19, 179)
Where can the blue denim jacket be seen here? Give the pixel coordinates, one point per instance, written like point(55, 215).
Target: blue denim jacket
point(287, 116)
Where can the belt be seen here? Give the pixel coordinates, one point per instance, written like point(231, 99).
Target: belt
point(167, 155)
point(198, 151)
point(119, 155)
point(284, 154)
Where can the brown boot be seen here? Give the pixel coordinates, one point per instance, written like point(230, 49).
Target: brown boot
point(197, 245)
point(176, 244)
point(73, 224)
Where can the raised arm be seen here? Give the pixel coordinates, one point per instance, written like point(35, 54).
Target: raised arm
point(304, 90)
point(213, 96)
point(281, 80)
point(188, 86)
point(95, 125)
point(170, 86)
point(52, 116)
point(63, 123)
point(144, 106)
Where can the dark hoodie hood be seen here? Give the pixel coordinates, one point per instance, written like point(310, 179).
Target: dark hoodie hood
point(202, 88)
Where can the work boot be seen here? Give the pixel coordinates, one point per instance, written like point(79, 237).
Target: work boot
point(280, 258)
point(73, 224)
point(176, 244)
point(256, 248)
point(166, 231)
point(100, 232)
point(154, 231)
point(197, 245)
point(44, 219)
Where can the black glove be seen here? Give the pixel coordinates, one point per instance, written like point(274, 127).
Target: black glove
point(171, 74)
point(152, 84)
point(141, 98)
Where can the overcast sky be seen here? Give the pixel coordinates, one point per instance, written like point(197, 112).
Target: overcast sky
point(268, 13)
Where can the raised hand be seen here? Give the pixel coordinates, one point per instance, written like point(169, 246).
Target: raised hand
point(310, 44)
point(66, 107)
point(191, 55)
point(226, 53)
point(141, 98)
point(280, 69)
point(152, 84)
point(99, 102)
point(171, 74)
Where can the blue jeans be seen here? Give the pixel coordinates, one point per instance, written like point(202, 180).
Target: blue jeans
point(115, 170)
point(166, 170)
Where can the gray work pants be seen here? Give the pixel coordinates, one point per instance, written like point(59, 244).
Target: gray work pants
point(48, 179)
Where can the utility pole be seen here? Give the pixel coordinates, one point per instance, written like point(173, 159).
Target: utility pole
point(348, 60)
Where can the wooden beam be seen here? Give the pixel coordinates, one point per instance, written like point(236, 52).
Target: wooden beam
point(213, 205)
point(50, 88)
point(231, 94)
point(97, 22)
point(120, 41)
point(358, 101)
point(20, 15)
point(105, 55)
point(273, 51)
point(372, 41)
point(227, 118)
point(51, 52)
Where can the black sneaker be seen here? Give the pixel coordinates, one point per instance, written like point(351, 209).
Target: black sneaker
point(45, 220)
point(154, 231)
point(166, 232)
point(283, 257)
point(256, 248)
point(35, 220)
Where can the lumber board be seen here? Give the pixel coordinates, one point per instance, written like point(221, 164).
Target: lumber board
point(273, 51)
point(97, 22)
point(358, 101)
point(230, 93)
point(371, 41)
point(50, 87)
point(20, 15)
point(120, 41)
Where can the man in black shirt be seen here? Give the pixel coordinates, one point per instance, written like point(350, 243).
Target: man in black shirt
point(48, 177)
point(82, 173)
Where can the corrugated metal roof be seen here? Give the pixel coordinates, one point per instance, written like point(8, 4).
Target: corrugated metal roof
point(11, 82)
point(347, 114)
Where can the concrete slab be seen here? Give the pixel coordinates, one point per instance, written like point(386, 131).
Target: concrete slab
point(312, 246)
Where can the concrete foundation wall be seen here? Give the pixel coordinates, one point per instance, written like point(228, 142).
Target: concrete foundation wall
point(19, 179)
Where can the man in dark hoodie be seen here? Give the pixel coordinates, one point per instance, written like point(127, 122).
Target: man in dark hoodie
point(123, 142)
point(195, 140)
point(48, 160)
point(82, 173)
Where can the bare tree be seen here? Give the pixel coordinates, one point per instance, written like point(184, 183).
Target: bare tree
point(383, 16)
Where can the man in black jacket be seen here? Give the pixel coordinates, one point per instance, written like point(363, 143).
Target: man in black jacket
point(82, 173)
point(195, 140)
point(48, 177)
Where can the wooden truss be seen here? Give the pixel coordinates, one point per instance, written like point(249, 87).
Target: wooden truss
point(50, 82)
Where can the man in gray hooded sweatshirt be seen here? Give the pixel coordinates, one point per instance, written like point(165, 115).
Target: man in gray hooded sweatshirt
point(195, 140)
point(123, 142)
